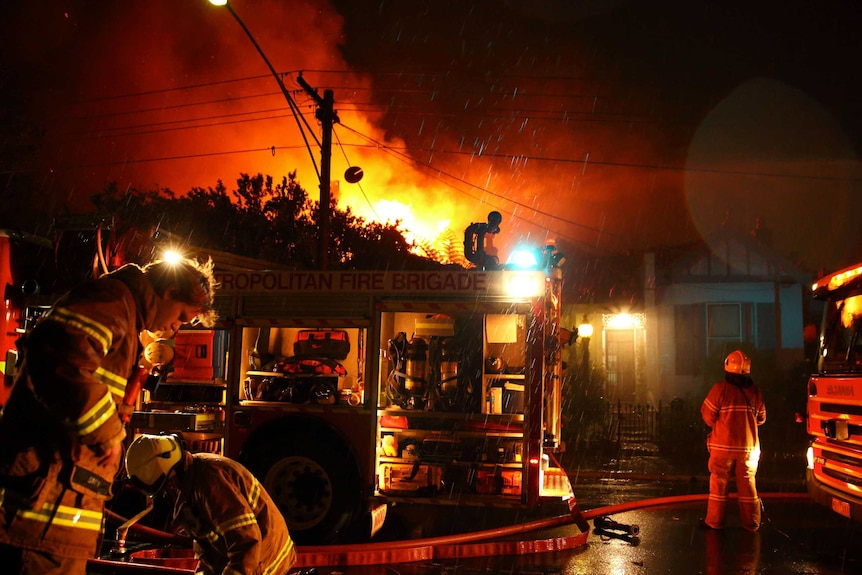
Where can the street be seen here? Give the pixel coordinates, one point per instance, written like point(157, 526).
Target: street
point(797, 537)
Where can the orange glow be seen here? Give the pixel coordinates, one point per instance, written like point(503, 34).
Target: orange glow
point(852, 309)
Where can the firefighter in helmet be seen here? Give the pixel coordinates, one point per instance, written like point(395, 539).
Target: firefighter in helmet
point(734, 409)
point(235, 525)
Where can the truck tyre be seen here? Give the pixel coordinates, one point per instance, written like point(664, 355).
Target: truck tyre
point(313, 477)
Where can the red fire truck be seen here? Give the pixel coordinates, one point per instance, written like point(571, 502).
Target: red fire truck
point(26, 272)
point(834, 422)
point(346, 392)
point(34, 270)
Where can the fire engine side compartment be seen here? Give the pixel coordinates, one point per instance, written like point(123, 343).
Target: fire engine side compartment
point(256, 432)
point(835, 424)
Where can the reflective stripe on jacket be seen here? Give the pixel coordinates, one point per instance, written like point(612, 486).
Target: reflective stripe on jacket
point(236, 526)
point(61, 415)
point(733, 413)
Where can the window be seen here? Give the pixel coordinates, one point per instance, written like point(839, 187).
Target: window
point(724, 325)
point(689, 332)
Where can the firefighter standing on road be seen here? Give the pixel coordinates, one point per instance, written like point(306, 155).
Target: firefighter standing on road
point(61, 428)
point(734, 409)
point(235, 525)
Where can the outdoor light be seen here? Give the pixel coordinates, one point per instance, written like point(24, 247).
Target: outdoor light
point(585, 330)
point(524, 284)
point(172, 256)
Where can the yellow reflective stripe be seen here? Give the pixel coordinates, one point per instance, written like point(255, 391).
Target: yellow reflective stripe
point(96, 415)
point(116, 383)
point(89, 326)
point(212, 536)
point(254, 494)
point(246, 518)
point(236, 523)
point(65, 516)
point(288, 552)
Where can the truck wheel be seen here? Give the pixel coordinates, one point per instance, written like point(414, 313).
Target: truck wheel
point(314, 482)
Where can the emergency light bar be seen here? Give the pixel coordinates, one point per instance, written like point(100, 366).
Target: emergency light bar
point(837, 280)
point(524, 284)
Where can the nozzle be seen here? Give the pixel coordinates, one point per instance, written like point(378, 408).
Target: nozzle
point(605, 523)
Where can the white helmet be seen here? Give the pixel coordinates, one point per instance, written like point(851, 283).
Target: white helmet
point(737, 362)
point(151, 458)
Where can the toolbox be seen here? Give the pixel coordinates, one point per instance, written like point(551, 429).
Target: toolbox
point(327, 343)
point(498, 481)
point(417, 479)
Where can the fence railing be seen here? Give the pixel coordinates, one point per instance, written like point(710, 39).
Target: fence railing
point(634, 423)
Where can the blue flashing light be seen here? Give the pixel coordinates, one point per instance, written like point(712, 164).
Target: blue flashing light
point(523, 258)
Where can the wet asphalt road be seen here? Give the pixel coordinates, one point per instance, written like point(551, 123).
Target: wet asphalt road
point(797, 537)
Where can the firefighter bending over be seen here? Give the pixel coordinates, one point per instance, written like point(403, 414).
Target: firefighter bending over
point(235, 525)
point(62, 428)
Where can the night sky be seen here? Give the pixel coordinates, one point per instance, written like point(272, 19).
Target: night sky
point(605, 125)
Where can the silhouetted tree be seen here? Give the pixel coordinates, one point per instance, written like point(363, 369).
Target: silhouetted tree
point(276, 222)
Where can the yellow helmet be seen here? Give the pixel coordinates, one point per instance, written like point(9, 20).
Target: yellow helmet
point(737, 362)
point(151, 458)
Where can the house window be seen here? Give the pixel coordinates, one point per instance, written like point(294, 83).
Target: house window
point(688, 340)
point(724, 325)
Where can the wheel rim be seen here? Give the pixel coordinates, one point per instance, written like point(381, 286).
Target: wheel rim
point(302, 490)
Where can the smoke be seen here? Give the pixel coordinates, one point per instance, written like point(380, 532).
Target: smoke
point(574, 120)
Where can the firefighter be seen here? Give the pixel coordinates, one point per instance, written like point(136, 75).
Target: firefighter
point(62, 429)
point(734, 409)
point(235, 525)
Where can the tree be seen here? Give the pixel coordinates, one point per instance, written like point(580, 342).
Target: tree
point(264, 220)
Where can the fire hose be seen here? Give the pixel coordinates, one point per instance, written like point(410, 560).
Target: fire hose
point(474, 544)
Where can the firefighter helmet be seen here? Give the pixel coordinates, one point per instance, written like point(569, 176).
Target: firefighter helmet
point(737, 362)
point(151, 458)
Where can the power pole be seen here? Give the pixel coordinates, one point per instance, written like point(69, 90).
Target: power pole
point(327, 116)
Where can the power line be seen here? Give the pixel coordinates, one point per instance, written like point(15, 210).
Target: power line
point(436, 172)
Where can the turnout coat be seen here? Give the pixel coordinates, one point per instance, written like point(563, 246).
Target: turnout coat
point(62, 415)
point(235, 524)
point(734, 413)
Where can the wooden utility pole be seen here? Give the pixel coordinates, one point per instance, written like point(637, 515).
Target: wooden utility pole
point(327, 116)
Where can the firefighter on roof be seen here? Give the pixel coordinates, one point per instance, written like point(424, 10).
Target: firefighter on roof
point(62, 429)
point(235, 525)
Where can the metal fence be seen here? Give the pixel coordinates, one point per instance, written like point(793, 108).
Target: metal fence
point(674, 427)
point(640, 423)
point(647, 423)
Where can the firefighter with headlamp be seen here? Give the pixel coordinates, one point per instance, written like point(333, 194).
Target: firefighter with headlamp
point(235, 525)
point(734, 410)
point(63, 426)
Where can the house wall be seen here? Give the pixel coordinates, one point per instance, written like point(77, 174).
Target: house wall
point(669, 384)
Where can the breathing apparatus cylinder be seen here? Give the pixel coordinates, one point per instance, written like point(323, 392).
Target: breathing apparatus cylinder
point(416, 361)
point(448, 368)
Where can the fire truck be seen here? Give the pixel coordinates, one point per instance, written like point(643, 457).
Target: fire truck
point(35, 270)
point(834, 422)
point(26, 274)
point(348, 392)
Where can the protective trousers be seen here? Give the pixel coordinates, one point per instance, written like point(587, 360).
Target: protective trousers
point(720, 468)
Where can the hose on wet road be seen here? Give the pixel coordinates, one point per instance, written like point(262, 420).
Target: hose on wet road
point(490, 542)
